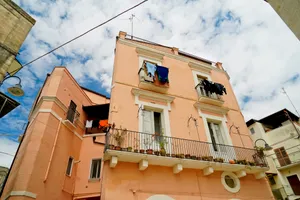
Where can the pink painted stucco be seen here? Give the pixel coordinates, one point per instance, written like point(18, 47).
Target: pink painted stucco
point(34, 157)
point(40, 166)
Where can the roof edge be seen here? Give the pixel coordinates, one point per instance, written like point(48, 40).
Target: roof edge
point(92, 91)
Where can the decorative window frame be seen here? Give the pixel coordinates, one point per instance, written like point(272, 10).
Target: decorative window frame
point(152, 106)
point(197, 73)
point(222, 120)
point(101, 164)
point(147, 55)
point(236, 180)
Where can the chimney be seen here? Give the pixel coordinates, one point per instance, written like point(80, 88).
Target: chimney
point(122, 34)
point(219, 65)
point(175, 50)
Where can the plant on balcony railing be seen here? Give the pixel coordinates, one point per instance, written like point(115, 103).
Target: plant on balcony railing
point(160, 145)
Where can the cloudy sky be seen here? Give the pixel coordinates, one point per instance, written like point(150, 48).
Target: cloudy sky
point(255, 46)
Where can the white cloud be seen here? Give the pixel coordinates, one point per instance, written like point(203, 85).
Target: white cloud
point(9, 147)
point(255, 46)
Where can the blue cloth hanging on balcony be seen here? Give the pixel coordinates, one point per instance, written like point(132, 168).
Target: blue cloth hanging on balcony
point(162, 73)
point(151, 68)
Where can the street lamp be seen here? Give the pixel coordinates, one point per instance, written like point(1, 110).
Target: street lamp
point(267, 146)
point(15, 90)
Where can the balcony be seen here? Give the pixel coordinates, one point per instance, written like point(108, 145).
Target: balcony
point(291, 159)
point(95, 114)
point(147, 149)
point(207, 97)
point(146, 83)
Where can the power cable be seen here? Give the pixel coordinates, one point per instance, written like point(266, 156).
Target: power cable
point(1, 152)
point(80, 35)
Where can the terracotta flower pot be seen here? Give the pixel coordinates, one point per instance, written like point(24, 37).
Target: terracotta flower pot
point(149, 151)
point(231, 162)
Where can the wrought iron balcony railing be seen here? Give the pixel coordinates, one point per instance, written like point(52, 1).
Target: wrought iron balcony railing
point(202, 93)
point(144, 143)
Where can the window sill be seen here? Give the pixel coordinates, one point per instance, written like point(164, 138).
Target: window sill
point(94, 179)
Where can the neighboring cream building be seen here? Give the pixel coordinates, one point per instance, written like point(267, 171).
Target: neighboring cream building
point(284, 160)
point(289, 11)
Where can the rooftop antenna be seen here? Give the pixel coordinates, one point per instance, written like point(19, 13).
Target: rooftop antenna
point(131, 19)
point(283, 90)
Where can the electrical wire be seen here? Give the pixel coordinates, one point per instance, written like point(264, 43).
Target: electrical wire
point(80, 35)
point(1, 152)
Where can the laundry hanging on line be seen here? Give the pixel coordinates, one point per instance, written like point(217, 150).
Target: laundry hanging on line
point(162, 73)
point(89, 124)
point(151, 68)
point(216, 88)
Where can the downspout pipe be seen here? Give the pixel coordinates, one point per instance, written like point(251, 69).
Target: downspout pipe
point(52, 152)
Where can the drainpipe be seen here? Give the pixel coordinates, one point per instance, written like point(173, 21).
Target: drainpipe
point(52, 152)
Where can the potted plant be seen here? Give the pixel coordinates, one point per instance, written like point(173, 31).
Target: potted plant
point(210, 158)
point(149, 151)
point(148, 144)
point(188, 156)
point(231, 161)
point(156, 153)
point(142, 151)
point(181, 155)
point(173, 155)
point(162, 143)
point(198, 157)
point(118, 148)
point(168, 155)
point(111, 146)
point(193, 157)
point(129, 149)
point(119, 138)
point(251, 163)
point(136, 151)
point(124, 149)
point(260, 151)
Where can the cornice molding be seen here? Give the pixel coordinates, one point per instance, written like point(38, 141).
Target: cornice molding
point(201, 67)
point(174, 56)
point(152, 95)
point(212, 108)
point(149, 53)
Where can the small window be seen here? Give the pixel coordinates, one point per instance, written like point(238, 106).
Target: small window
point(252, 131)
point(71, 111)
point(271, 180)
point(69, 167)
point(95, 169)
point(230, 182)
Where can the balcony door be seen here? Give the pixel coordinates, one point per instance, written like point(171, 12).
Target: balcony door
point(282, 156)
point(152, 126)
point(218, 140)
point(294, 183)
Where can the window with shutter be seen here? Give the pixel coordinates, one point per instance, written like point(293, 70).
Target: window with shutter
point(71, 111)
point(216, 136)
point(95, 169)
point(282, 156)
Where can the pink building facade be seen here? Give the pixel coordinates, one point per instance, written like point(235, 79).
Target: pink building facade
point(169, 136)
